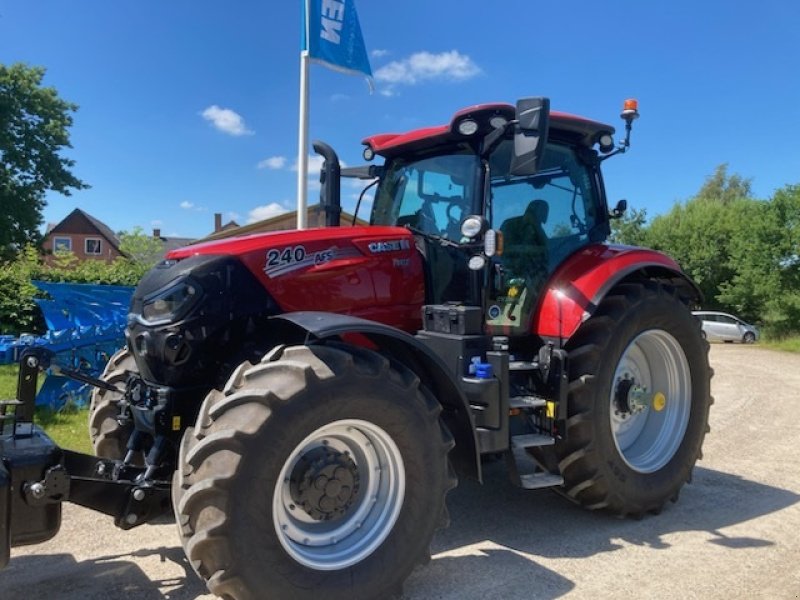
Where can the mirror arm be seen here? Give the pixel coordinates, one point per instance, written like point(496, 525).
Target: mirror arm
point(494, 137)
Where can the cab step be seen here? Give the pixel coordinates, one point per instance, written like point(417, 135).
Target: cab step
point(526, 402)
point(524, 366)
point(523, 469)
point(539, 480)
point(531, 440)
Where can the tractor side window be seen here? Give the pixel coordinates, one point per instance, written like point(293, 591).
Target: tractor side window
point(543, 218)
point(431, 195)
point(555, 209)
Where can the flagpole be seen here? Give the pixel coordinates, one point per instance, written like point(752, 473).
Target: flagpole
point(302, 145)
point(337, 43)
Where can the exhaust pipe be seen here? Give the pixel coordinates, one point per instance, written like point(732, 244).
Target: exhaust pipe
point(330, 178)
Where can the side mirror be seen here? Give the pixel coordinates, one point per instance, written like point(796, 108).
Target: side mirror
point(530, 136)
point(619, 209)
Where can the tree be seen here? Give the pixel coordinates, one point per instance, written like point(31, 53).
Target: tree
point(743, 253)
point(34, 123)
point(723, 188)
point(142, 249)
point(697, 235)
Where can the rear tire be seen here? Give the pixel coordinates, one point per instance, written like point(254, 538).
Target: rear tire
point(254, 492)
point(633, 462)
point(109, 438)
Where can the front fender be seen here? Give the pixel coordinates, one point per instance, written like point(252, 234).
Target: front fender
point(580, 283)
point(306, 326)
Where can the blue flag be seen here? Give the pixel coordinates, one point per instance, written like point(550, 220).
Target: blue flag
point(332, 36)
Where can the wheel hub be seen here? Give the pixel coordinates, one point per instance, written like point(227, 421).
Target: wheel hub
point(630, 398)
point(325, 483)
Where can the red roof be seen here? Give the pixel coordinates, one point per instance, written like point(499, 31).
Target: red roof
point(389, 144)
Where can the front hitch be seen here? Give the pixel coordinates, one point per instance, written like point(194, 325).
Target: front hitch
point(36, 476)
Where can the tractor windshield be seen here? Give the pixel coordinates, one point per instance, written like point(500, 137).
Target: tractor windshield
point(429, 194)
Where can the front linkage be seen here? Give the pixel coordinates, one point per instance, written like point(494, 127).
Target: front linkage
point(36, 476)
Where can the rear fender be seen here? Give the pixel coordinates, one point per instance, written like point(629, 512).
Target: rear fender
point(307, 326)
point(582, 281)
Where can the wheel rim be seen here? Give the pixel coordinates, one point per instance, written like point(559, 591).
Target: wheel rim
point(650, 401)
point(339, 495)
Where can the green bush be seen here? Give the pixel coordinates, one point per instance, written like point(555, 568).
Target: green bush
point(18, 311)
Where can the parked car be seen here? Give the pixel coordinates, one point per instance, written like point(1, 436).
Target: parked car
point(720, 326)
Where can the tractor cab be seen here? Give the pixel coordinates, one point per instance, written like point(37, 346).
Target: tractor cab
point(536, 187)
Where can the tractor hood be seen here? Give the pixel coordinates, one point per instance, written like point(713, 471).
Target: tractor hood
point(370, 272)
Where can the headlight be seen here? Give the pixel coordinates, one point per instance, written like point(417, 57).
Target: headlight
point(170, 304)
point(472, 226)
point(467, 127)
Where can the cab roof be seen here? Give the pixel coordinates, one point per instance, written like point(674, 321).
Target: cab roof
point(573, 128)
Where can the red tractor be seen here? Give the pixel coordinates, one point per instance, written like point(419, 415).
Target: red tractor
point(304, 400)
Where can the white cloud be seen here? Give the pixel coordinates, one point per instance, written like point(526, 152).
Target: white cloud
point(186, 205)
point(378, 53)
point(226, 120)
point(156, 222)
point(273, 162)
point(267, 211)
point(233, 215)
point(426, 66)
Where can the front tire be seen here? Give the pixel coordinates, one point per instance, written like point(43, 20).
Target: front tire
point(108, 437)
point(749, 338)
point(321, 471)
point(639, 400)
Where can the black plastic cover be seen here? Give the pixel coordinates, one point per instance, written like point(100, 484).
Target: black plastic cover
point(24, 460)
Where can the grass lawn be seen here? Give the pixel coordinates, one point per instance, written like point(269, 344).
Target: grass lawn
point(790, 344)
point(68, 428)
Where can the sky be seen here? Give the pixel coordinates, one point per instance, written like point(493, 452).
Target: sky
point(190, 107)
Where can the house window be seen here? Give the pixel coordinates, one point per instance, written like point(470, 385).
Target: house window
point(62, 244)
point(93, 246)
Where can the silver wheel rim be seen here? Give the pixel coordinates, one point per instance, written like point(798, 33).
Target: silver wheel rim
point(372, 508)
point(648, 438)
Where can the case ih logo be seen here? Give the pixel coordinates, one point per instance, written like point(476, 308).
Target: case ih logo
point(389, 246)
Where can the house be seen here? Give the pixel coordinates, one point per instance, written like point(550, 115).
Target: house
point(282, 222)
point(85, 236)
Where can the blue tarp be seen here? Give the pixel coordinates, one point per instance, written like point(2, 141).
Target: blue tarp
point(86, 325)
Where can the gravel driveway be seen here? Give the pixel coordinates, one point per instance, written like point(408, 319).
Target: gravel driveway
point(735, 533)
